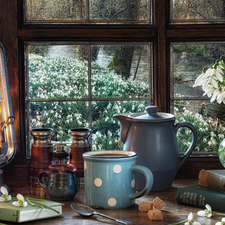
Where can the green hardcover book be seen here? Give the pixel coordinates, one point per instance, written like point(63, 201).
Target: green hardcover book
point(214, 179)
point(8, 212)
point(199, 196)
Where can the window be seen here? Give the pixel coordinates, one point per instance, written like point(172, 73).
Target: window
point(73, 85)
point(83, 84)
point(169, 31)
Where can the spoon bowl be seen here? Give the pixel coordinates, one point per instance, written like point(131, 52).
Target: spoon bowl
point(83, 210)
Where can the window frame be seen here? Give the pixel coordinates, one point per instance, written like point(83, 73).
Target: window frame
point(161, 33)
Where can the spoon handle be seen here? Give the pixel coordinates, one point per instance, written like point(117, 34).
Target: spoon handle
point(111, 218)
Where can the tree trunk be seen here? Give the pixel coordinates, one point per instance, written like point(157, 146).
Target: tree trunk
point(122, 58)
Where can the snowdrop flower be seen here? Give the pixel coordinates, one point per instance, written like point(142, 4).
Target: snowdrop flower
point(212, 82)
point(207, 212)
point(221, 223)
point(190, 220)
point(20, 201)
point(221, 97)
point(5, 195)
point(204, 78)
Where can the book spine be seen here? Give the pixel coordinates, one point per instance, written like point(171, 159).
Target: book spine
point(200, 196)
point(212, 180)
point(9, 215)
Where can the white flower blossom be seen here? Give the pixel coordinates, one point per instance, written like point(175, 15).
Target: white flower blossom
point(222, 222)
point(5, 195)
point(207, 212)
point(191, 221)
point(212, 83)
point(20, 201)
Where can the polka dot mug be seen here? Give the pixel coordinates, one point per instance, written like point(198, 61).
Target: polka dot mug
point(110, 179)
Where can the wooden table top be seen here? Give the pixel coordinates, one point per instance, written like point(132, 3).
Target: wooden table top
point(172, 212)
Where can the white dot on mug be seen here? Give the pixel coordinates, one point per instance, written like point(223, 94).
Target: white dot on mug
point(117, 169)
point(98, 182)
point(85, 165)
point(112, 202)
point(133, 183)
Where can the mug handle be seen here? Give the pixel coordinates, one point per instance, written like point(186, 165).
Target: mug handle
point(149, 181)
point(40, 180)
point(193, 143)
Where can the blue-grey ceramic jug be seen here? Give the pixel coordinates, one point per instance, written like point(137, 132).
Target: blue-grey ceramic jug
point(153, 136)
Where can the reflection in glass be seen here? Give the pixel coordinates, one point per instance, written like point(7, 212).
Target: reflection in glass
point(196, 11)
point(119, 10)
point(45, 10)
point(120, 71)
point(82, 11)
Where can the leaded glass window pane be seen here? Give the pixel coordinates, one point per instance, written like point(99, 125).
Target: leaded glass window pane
point(197, 11)
point(188, 102)
point(87, 11)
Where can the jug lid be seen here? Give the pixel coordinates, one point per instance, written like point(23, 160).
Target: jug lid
point(152, 115)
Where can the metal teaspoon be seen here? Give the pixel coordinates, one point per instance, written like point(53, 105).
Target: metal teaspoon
point(87, 211)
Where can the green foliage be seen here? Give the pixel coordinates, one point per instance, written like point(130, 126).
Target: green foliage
point(53, 78)
point(197, 49)
point(209, 134)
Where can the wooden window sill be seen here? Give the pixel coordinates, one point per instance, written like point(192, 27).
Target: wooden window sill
point(172, 212)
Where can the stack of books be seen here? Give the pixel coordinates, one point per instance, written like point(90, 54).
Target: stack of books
point(211, 190)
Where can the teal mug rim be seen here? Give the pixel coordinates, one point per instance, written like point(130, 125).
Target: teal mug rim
point(93, 155)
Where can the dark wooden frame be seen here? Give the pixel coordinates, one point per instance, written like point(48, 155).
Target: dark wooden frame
point(13, 33)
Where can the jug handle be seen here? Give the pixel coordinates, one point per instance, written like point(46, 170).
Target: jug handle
point(193, 143)
point(40, 180)
point(148, 184)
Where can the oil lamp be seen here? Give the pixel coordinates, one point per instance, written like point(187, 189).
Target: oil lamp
point(7, 130)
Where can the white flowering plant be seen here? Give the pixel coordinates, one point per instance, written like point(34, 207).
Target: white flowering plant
point(57, 78)
point(22, 202)
point(205, 213)
point(209, 133)
point(212, 81)
point(5, 195)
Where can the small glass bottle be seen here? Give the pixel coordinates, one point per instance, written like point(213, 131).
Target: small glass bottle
point(60, 156)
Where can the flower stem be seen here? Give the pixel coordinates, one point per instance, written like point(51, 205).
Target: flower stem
point(183, 221)
point(33, 202)
point(218, 214)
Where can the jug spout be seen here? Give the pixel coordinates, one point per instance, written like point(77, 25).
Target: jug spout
point(124, 125)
